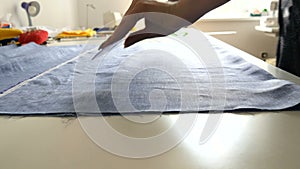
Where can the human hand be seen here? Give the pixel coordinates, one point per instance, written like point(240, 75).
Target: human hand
point(159, 18)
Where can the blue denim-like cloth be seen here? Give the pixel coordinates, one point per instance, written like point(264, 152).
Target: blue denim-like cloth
point(21, 63)
point(152, 80)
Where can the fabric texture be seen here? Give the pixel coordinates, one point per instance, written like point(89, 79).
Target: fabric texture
point(36, 36)
point(9, 33)
point(21, 63)
point(128, 76)
point(9, 41)
point(77, 33)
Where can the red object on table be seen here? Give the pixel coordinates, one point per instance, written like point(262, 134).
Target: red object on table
point(37, 36)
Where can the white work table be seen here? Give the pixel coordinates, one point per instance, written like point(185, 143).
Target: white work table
point(262, 140)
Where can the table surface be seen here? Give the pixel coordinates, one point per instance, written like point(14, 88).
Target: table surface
point(261, 140)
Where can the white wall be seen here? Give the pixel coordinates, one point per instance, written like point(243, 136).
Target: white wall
point(239, 8)
point(62, 13)
point(73, 13)
point(54, 13)
point(234, 8)
point(10, 6)
point(96, 16)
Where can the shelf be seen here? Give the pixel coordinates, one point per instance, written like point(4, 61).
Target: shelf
point(270, 31)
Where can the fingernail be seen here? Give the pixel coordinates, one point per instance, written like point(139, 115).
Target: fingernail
point(99, 53)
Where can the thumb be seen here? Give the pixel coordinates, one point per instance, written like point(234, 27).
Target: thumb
point(139, 36)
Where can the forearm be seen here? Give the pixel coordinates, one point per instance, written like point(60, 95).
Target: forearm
point(190, 10)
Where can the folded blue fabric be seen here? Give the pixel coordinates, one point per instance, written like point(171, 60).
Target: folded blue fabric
point(122, 78)
point(21, 63)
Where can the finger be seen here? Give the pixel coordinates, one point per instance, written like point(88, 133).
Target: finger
point(132, 16)
point(104, 44)
point(127, 23)
point(137, 37)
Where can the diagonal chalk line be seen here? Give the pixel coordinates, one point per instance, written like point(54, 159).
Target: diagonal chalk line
point(43, 73)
